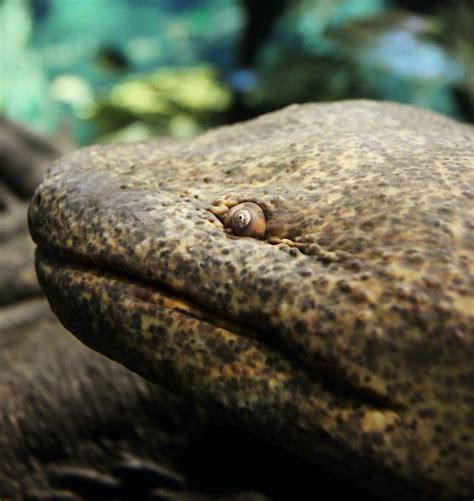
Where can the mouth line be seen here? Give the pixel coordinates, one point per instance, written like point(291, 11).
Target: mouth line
point(322, 373)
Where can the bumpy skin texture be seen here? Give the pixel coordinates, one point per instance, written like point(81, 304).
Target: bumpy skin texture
point(346, 335)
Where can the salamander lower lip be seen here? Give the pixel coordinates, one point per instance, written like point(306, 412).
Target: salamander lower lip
point(86, 285)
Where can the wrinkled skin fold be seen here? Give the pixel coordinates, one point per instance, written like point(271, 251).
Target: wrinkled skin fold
point(345, 335)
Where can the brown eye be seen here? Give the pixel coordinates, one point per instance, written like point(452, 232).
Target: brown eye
point(246, 220)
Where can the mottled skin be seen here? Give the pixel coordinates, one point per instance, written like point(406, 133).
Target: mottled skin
point(346, 335)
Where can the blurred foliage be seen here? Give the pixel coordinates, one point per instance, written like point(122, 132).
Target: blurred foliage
point(64, 56)
point(127, 69)
point(379, 54)
point(24, 85)
point(170, 101)
point(457, 35)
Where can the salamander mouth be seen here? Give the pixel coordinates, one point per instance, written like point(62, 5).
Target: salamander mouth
point(114, 312)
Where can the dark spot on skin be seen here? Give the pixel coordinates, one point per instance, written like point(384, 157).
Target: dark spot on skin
point(416, 398)
point(305, 273)
point(440, 429)
point(414, 424)
point(265, 295)
point(231, 267)
point(359, 324)
point(307, 304)
point(114, 294)
point(330, 315)
point(136, 320)
point(300, 327)
point(427, 413)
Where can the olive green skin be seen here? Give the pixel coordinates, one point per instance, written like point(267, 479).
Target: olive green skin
point(345, 335)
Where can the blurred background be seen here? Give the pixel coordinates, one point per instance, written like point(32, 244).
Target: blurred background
point(125, 70)
point(76, 72)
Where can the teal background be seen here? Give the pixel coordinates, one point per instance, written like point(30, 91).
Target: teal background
point(123, 70)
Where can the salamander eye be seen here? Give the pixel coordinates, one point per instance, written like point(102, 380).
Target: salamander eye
point(246, 220)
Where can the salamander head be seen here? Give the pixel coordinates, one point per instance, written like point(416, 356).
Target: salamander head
point(344, 330)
